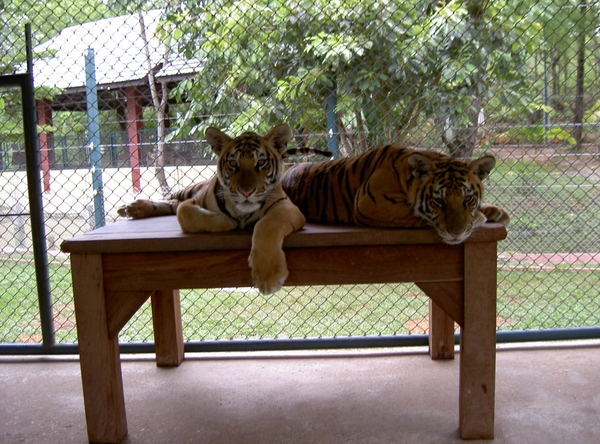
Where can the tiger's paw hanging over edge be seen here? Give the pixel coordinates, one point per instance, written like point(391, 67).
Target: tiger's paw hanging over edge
point(269, 270)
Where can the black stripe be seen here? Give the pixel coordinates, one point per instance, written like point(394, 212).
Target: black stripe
point(273, 204)
point(362, 216)
point(367, 159)
point(326, 197)
point(389, 199)
point(394, 158)
point(221, 200)
point(410, 180)
point(370, 194)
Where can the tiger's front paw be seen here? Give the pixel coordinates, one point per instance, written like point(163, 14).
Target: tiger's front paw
point(495, 214)
point(269, 270)
point(137, 209)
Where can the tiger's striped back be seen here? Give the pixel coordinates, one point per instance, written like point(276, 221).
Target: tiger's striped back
point(396, 187)
point(187, 192)
point(326, 191)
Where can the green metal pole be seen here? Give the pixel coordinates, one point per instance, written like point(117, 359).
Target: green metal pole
point(94, 137)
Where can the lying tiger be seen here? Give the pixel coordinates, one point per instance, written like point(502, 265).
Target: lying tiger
point(396, 187)
point(246, 191)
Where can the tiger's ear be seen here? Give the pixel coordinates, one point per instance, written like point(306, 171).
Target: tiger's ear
point(482, 167)
point(420, 165)
point(279, 136)
point(216, 139)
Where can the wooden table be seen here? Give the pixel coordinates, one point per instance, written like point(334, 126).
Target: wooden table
point(116, 268)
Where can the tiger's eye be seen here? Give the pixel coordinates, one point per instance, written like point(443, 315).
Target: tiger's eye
point(232, 163)
point(261, 162)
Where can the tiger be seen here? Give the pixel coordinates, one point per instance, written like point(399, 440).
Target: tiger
point(244, 193)
point(396, 187)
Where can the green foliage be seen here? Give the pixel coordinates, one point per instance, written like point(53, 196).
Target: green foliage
point(592, 114)
point(47, 19)
point(536, 135)
point(393, 63)
point(559, 135)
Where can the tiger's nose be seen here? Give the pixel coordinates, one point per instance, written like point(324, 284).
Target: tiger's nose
point(246, 192)
point(456, 235)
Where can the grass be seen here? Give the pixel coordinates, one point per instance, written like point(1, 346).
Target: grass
point(19, 312)
point(528, 299)
point(551, 209)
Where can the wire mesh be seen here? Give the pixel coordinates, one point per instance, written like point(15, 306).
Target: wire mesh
point(519, 80)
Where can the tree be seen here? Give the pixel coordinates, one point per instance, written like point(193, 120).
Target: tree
point(159, 101)
point(159, 95)
point(569, 28)
point(394, 64)
point(585, 27)
point(47, 19)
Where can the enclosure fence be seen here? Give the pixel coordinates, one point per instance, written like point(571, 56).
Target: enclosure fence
point(123, 92)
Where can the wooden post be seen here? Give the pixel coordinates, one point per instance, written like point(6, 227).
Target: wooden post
point(168, 337)
point(98, 352)
point(478, 343)
point(445, 308)
point(441, 333)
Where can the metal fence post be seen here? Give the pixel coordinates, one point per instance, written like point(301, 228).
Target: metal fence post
point(94, 137)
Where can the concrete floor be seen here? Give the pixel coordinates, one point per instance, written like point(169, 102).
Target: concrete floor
point(546, 394)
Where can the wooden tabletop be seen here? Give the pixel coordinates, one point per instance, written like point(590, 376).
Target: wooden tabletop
point(164, 234)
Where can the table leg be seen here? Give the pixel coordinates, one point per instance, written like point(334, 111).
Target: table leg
point(441, 333)
point(98, 353)
point(478, 343)
point(168, 337)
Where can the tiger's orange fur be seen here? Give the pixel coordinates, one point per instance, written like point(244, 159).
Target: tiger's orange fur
point(245, 192)
point(396, 187)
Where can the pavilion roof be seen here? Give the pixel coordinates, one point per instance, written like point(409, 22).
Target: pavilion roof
point(119, 54)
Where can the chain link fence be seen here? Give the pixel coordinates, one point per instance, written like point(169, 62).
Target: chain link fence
point(519, 80)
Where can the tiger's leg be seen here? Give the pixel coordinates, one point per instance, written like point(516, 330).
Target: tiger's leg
point(267, 260)
point(141, 208)
point(495, 214)
point(195, 219)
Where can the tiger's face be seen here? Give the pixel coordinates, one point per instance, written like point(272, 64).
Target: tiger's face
point(249, 167)
point(450, 194)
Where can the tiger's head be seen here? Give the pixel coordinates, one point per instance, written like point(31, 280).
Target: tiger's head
point(249, 167)
point(449, 193)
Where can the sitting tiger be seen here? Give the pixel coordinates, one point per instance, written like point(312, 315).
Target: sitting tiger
point(245, 191)
point(396, 187)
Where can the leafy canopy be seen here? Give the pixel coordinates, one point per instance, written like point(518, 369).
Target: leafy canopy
point(390, 63)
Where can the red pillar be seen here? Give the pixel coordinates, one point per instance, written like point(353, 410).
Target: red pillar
point(44, 117)
point(135, 124)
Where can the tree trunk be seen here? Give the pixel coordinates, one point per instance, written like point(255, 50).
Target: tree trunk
point(160, 105)
point(579, 103)
point(346, 146)
point(464, 141)
point(362, 133)
point(554, 62)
